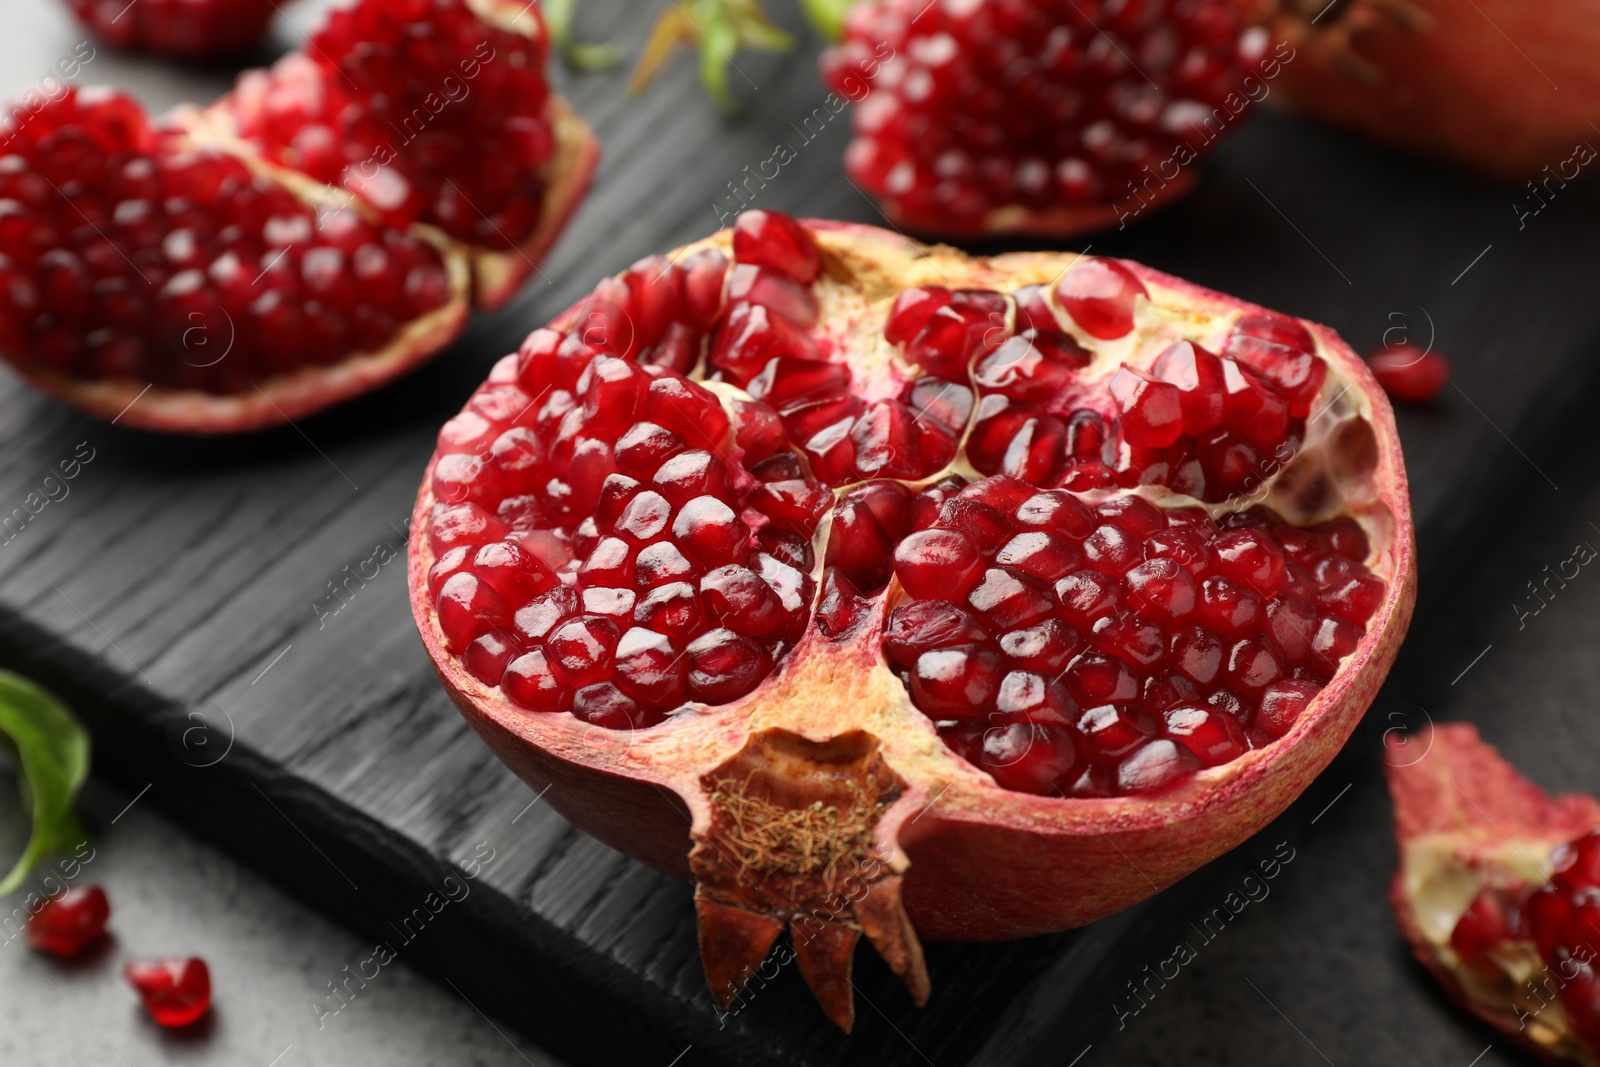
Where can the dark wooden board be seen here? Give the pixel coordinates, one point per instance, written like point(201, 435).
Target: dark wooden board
point(177, 594)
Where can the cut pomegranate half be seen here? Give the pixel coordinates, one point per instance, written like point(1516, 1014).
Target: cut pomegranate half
point(1496, 890)
point(434, 112)
point(1048, 118)
point(950, 597)
point(166, 276)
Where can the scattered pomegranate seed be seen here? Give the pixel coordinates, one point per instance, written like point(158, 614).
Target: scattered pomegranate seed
point(70, 923)
point(176, 991)
point(1410, 374)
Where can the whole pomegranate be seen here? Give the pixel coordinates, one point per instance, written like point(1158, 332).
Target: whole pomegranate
point(191, 30)
point(1496, 890)
point(1506, 88)
point(165, 275)
point(885, 591)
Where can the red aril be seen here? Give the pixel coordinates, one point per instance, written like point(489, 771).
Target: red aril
point(1410, 374)
point(749, 621)
point(70, 923)
point(176, 991)
point(1496, 889)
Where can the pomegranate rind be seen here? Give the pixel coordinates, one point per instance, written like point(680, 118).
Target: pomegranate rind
point(979, 862)
point(1464, 819)
point(1443, 81)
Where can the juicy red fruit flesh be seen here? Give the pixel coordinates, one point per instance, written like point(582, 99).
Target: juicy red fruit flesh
point(1557, 917)
point(615, 542)
point(346, 113)
point(1043, 108)
point(175, 991)
point(70, 923)
point(1152, 684)
point(126, 255)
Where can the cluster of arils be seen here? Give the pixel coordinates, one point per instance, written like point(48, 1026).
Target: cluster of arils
point(1084, 649)
point(129, 252)
point(613, 538)
point(379, 104)
point(1208, 426)
point(1032, 114)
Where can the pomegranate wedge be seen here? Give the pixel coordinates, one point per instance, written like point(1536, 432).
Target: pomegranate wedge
point(951, 598)
point(172, 276)
point(1496, 890)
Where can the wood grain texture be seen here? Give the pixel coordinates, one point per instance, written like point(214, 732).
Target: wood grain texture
point(182, 586)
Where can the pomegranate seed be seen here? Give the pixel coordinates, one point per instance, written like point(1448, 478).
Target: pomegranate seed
point(924, 625)
point(723, 666)
point(1213, 736)
point(709, 532)
point(935, 563)
point(1028, 757)
point(911, 310)
point(70, 923)
point(1256, 410)
point(1162, 589)
point(1281, 351)
point(603, 704)
point(774, 290)
point(486, 657)
point(1409, 373)
point(1483, 928)
point(1282, 703)
point(176, 992)
point(1152, 410)
point(1159, 765)
point(772, 240)
point(1197, 374)
point(960, 682)
point(1099, 296)
point(1007, 599)
point(1045, 647)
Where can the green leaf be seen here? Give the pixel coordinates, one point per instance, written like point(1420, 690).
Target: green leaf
point(717, 30)
point(52, 751)
point(826, 17)
point(577, 54)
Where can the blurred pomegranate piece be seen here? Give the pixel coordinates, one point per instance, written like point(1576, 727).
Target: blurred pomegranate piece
point(1496, 890)
point(1410, 374)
